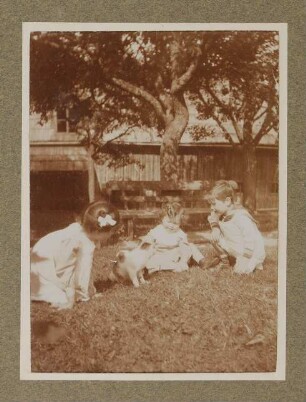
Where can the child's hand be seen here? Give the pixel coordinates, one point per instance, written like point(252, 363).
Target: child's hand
point(215, 235)
point(213, 218)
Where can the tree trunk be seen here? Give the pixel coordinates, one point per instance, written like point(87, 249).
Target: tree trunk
point(169, 166)
point(249, 176)
point(91, 175)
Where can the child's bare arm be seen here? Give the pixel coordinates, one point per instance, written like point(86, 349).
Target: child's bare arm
point(213, 220)
point(83, 268)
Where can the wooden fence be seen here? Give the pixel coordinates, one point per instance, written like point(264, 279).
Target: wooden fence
point(202, 162)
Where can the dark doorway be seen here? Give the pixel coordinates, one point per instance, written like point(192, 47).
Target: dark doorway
point(58, 190)
point(56, 198)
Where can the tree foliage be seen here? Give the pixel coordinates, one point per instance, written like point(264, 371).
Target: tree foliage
point(119, 80)
point(239, 85)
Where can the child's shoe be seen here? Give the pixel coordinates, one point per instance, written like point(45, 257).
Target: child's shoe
point(224, 264)
point(205, 263)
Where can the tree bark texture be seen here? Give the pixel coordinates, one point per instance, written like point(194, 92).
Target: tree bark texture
point(174, 130)
point(91, 175)
point(249, 176)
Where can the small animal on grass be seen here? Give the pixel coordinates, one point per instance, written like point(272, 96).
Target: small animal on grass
point(130, 263)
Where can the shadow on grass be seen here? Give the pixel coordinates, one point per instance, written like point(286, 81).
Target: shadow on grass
point(103, 285)
point(47, 331)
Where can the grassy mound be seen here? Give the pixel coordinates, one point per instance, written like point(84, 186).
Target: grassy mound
point(195, 321)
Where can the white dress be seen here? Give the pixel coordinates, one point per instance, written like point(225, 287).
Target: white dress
point(61, 262)
point(242, 240)
point(172, 250)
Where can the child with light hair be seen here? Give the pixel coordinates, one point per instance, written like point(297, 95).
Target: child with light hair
point(61, 261)
point(172, 249)
point(234, 233)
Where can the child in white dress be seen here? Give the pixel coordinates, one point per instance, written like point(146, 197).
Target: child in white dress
point(61, 261)
point(172, 249)
point(235, 235)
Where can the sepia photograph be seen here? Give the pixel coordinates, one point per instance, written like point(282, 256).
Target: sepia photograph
point(154, 173)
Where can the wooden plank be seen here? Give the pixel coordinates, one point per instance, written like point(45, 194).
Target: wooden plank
point(130, 228)
point(141, 171)
point(193, 168)
point(151, 168)
point(152, 173)
point(148, 164)
point(145, 161)
point(156, 167)
point(57, 165)
point(128, 172)
point(145, 214)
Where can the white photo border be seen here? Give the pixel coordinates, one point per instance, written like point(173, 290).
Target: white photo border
point(25, 326)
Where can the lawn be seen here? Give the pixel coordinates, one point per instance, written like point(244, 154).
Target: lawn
point(194, 321)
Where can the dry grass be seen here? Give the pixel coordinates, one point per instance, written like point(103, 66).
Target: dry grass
point(195, 321)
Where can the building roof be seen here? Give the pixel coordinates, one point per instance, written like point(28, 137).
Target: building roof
point(211, 133)
point(150, 136)
point(214, 135)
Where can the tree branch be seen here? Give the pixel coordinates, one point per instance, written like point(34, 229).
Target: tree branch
point(218, 121)
point(100, 146)
point(267, 123)
point(67, 47)
point(121, 135)
point(265, 128)
point(179, 83)
point(92, 96)
point(141, 93)
point(165, 99)
point(260, 115)
point(226, 110)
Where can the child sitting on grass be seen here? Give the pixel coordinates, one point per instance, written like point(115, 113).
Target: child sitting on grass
point(172, 249)
point(61, 261)
point(235, 237)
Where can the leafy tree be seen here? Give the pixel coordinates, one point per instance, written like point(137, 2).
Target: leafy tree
point(115, 80)
point(238, 88)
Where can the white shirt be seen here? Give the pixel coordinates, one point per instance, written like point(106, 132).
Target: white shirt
point(61, 259)
point(240, 236)
point(167, 238)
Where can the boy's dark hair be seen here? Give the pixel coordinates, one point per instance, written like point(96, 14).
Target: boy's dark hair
point(223, 189)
